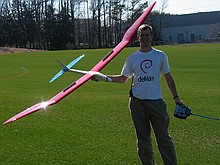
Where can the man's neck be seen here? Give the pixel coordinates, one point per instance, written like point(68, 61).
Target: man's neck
point(146, 49)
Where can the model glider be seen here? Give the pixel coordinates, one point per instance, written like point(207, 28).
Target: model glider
point(87, 75)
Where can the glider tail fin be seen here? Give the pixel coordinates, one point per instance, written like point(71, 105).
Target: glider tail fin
point(62, 65)
point(65, 67)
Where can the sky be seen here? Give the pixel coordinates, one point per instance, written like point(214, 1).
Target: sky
point(188, 6)
point(185, 6)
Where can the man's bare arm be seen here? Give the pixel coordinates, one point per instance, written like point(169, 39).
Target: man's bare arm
point(172, 86)
point(118, 78)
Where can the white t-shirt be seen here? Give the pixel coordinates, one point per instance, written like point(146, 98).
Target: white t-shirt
point(146, 69)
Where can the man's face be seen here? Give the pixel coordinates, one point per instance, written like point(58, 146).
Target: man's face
point(145, 38)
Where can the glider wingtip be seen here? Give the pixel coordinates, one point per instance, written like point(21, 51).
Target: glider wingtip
point(8, 121)
point(5, 123)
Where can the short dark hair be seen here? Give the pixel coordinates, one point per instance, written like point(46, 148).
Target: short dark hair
point(144, 27)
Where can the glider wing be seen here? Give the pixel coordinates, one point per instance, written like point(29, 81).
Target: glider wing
point(129, 34)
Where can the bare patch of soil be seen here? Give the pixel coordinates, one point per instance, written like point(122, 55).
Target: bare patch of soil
point(8, 50)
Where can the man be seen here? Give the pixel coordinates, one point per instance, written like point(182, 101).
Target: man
point(148, 110)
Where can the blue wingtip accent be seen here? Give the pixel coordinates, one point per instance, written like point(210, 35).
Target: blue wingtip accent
point(60, 73)
point(70, 65)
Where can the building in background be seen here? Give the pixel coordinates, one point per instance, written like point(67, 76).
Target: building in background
point(189, 28)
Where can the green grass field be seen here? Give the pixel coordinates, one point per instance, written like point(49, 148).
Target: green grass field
point(92, 125)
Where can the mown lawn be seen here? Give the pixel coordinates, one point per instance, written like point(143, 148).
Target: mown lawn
point(92, 125)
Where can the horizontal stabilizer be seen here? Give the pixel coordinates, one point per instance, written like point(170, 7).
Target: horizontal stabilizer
point(65, 68)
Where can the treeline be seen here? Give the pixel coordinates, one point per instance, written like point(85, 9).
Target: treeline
point(66, 24)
